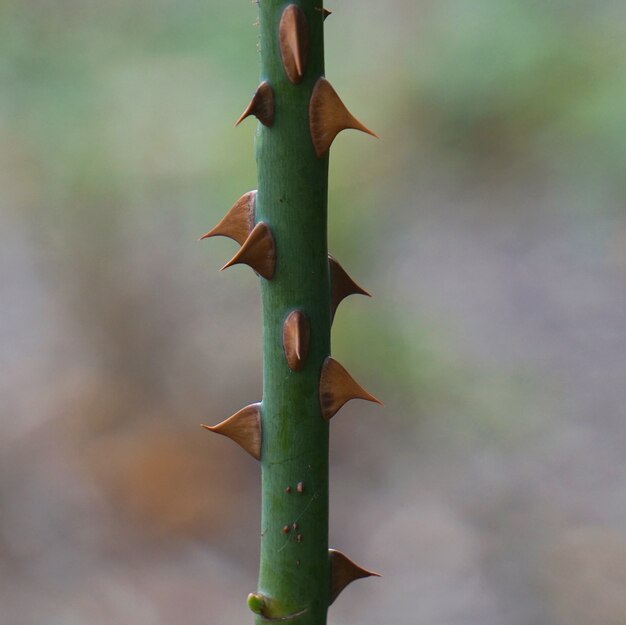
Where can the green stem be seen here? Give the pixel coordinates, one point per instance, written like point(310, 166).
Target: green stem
point(282, 232)
point(292, 200)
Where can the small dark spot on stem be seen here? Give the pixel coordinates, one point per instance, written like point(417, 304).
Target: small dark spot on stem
point(295, 526)
point(300, 487)
point(288, 489)
point(286, 529)
point(297, 562)
point(299, 538)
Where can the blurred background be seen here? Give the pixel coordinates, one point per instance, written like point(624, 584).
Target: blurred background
point(488, 221)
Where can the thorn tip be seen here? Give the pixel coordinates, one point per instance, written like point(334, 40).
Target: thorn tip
point(257, 251)
point(343, 572)
point(244, 428)
point(341, 285)
point(261, 106)
point(328, 116)
point(238, 222)
point(338, 387)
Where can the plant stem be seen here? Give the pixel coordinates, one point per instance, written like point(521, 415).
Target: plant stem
point(281, 229)
point(292, 200)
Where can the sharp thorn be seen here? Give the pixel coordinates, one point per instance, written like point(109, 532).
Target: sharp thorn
point(244, 427)
point(337, 387)
point(238, 222)
point(328, 116)
point(261, 106)
point(343, 572)
point(258, 251)
point(341, 285)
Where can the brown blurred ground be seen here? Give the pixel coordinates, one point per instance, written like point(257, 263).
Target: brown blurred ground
point(488, 222)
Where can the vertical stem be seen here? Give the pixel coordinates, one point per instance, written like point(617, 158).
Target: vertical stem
point(292, 200)
point(281, 229)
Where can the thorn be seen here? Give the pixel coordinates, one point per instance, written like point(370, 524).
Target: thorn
point(325, 12)
point(328, 116)
point(238, 222)
point(258, 251)
point(341, 285)
point(337, 387)
point(294, 42)
point(244, 427)
point(343, 572)
point(296, 335)
point(261, 106)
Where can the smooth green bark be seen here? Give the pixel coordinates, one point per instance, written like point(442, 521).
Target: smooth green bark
point(292, 200)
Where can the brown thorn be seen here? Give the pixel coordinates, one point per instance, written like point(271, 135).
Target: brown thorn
point(325, 12)
point(296, 336)
point(244, 427)
point(294, 42)
point(337, 387)
point(341, 285)
point(261, 106)
point(328, 116)
point(238, 222)
point(343, 572)
point(258, 251)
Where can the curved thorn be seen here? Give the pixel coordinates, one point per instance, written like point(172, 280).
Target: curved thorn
point(293, 34)
point(343, 572)
point(238, 222)
point(258, 251)
point(261, 106)
point(328, 116)
point(296, 336)
point(244, 427)
point(325, 12)
point(341, 285)
point(338, 387)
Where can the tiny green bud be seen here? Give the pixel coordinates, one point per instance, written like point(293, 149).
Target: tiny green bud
point(256, 603)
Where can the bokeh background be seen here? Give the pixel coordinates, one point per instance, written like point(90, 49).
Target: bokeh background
point(488, 221)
